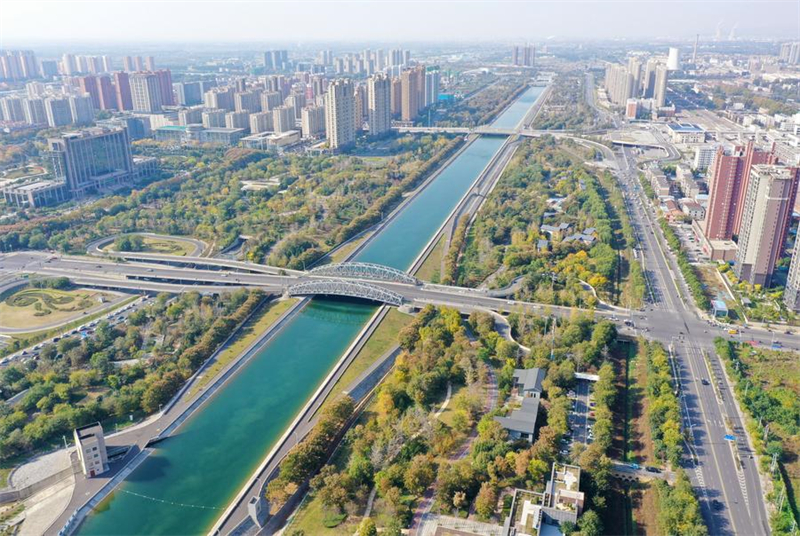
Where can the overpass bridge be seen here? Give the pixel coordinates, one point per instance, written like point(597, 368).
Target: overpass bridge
point(357, 280)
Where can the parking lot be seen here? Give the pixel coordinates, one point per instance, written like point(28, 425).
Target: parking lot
point(581, 417)
point(118, 316)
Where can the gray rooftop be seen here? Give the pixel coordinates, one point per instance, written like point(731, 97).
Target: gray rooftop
point(531, 379)
point(523, 419)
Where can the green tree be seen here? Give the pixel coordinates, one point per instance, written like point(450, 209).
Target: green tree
point(367, 527)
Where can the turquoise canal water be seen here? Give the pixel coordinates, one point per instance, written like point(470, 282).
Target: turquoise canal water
point(189, 479)
point(517, 110)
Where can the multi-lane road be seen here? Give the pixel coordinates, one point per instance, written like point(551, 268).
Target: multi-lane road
point(724, 472)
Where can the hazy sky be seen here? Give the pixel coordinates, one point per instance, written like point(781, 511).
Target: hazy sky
point(32, 21)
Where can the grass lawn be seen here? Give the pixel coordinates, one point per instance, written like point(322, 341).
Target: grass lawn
point(779, 374)
point(382, 339)
point(311, 519)
point(163, 246)
point(35, 308)
point(35, 336)
point(429, 271)
point(644, 501)
point(447, 414)
point(253, 329)
point(5, 470)
point(341, 254)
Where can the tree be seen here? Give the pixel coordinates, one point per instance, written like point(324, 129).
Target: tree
point(393, 528)
point(332, 488)
point(420, 473)
point(367, 527)
point(486, 501)
point(590, 524)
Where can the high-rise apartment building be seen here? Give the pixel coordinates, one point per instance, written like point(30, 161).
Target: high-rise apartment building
point(35, 113)
point(69, 65)
point(82, 109)
point(727, 185)
point(219, 98)
point(106, 93)
point(766, 217)
point(12, 109)
point(165, 86)
point(188, 93)
point(791, 295)
point(260, 122)
point(122, 85)
point(432, 85)
point(618, 84)
point(190, 116)
point(49, 68)
point(297, 101)
point(88, 84)
point(146, 92)
point(396, 96)
point(379, 97)
point(247, 101)
point(237, 120)
point(58, 112)
point(660, 89)
point(214, 118)
point(360, 93)
point(340, 119)
point(271, 100)
point(18, 65)
point(649, 78)
point(283, 119)
point(413, 92)
point(132, 63)
point(313, 121)
point(523, 56)
point(276, 60)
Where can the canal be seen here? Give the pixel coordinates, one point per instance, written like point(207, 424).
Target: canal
point(189, 479)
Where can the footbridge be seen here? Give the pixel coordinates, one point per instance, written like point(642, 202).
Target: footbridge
point(364, 270)
point(342, 287)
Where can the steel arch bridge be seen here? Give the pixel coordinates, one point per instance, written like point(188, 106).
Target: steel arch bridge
point(341, 287)
point(365, 270)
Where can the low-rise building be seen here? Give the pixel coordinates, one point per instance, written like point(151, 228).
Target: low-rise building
point(686, 133)
point(527, 388)
point(693, 209)
point(36, 194)
point(562, 501)
point(199, 134)
point(272, 140)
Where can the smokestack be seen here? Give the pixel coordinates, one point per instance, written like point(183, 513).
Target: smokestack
point(694, 54)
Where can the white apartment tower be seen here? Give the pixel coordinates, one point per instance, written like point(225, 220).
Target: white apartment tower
point(340, 114)
point(145, 92)
point(379, 98)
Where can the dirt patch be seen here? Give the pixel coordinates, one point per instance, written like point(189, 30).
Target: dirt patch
point(619, 443)
point(641, 443)
point(645, 509)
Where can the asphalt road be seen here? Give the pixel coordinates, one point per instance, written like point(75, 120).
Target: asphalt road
point(711, 465)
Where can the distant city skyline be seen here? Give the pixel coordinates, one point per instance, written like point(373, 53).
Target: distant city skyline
point(90, 21)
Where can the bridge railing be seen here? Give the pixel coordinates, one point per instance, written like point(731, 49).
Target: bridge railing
point(343, 287)
point(364, 270)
